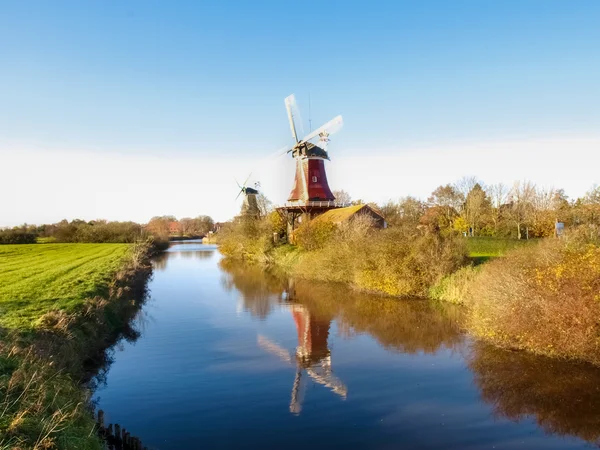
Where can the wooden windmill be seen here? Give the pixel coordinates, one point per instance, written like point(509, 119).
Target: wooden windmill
point(310, 194)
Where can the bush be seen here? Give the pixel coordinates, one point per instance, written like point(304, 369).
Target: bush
point(16, 237)
point(95, 232)
point(313, 235)
point(246, 238)
point(401, 261)
point(543, 298)
point(453, 288)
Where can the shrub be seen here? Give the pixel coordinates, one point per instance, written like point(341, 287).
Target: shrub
point(401, 261)
point(16, 237)
point(246, 238)
point(543, 298)
point(453, 288)
point(313, 235)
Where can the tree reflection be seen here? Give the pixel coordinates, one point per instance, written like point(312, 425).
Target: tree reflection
point(563, 397)
point(408, 326)
point(260, 291)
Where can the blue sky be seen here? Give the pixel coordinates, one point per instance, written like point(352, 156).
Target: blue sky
point(206, 80)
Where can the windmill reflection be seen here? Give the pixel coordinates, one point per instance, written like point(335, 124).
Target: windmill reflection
point(312, 357)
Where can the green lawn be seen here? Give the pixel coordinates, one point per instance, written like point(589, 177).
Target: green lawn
point(37, 278)
point(481, 249)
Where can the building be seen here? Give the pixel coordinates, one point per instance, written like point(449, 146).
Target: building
point(340, 215)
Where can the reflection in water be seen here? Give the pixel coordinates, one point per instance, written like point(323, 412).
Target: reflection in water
point(185, 251)
point(408, 376)
point(407, 326)
point(260, 291)
point(563, 397)
point(312, 355)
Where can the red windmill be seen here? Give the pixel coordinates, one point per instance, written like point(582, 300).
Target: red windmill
point(310, 193)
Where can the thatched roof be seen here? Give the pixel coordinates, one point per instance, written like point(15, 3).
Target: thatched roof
point(338, 215)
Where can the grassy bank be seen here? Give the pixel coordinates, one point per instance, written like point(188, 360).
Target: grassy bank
point(62, 305)
point(395, 261)
point(541, 295)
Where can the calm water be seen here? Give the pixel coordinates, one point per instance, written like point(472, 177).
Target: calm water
point(230, 357)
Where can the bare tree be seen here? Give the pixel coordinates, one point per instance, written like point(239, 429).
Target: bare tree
point(498, 194)
point(342, 197)
point(464, 186)
point(521, 204)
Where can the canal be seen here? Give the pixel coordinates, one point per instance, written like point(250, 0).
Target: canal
point(231, 357)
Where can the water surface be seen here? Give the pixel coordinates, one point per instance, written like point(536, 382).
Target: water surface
point(231, 357)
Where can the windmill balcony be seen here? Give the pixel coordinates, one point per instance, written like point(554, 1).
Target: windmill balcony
point(316, 204)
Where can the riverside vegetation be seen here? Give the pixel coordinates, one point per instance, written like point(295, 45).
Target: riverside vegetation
point(542, 296)
point(62, 305)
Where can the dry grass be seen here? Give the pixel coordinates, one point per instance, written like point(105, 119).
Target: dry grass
point(544, 299)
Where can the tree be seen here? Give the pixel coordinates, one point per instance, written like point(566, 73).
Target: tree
point(342, 197)
point(265, 206)
point(463, 187)
point(498, 195)
point(447, 197)
point(159, 225)
point(476, 205)
point(520, 206)
point(411, 210)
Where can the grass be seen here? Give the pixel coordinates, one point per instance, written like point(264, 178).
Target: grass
point(35, 279)
point(483, 247)
point(61, 306)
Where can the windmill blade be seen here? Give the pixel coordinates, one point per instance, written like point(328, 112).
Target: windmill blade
point(298, 122)
point(330, 127)
point(329, 380)
point(246, 182)
point(239, 193)
point(297, 392)
point(282, 151)
point(273, 348)
point(289, 101)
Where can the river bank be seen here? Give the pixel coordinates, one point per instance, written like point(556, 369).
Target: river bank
point(229, 345)
point(63, 305)
point(540, 298)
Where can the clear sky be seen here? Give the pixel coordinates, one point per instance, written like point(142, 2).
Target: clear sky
point(129, 109)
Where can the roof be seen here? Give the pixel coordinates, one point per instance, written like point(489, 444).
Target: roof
point(339, 215)
point(309, 149)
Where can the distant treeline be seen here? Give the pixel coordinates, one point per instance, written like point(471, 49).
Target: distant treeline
point(102, 231)
point(471, 207)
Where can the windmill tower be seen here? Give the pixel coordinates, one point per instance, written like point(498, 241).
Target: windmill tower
point(310, 194)
point(250, 205)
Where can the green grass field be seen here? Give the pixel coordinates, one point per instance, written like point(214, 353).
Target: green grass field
point(35, 279)
point(481, 249)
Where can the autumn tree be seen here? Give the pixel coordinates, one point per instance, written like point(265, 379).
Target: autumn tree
point(448, 198)
point(475, 207)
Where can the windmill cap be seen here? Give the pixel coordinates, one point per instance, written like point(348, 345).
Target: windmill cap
point(311, 150)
